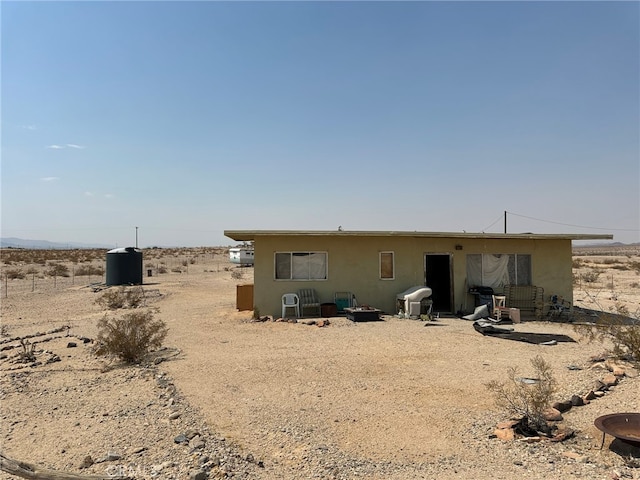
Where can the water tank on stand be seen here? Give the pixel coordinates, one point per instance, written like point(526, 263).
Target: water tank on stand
point(124, 266)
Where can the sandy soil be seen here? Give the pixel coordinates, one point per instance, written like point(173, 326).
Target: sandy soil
point(395, 399)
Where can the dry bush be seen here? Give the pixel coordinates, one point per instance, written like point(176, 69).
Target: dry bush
point(14, 274)
point(527, 400)
point(88, 270)
point(591, 276)
point(28, 353)
point(57, 270)
point(162, 269)
point(131, 336)
point(122, 298)
point(237, 274)
point(623, 330)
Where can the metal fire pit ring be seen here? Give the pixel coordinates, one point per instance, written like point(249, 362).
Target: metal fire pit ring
point(623, 426)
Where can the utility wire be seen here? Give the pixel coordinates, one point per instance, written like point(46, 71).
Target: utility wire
point(496, 221)
point(577, 226)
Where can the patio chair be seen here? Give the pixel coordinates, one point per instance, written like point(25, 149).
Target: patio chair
point(499, 306)
point(309, 301)
point(290, 300)
point(344, 300)
point(559, 307)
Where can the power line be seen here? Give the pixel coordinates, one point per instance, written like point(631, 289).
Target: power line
point(572, 225)
point(496, 221)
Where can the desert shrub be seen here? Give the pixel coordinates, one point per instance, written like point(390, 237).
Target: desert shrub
point(185, 263)
point(635, 266)
point(237, 274)
point(176, 270)
point(162, 269)
point(28, 353)
point(84, 270)
point(192, 260)
point(634, 285)
point(121, 298)
point(32, 271)
point(622, 330)
point(591, 276)
point(57, 270)
point(131, 336)
point(524, 398)
point(14, 274)
point(577, 263)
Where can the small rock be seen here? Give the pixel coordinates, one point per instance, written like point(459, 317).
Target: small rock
point(174, 416)
point(190, 433)
point(505, 434)
point(87, 462)
point(610, 380)
point(196, 443)
point(139, 449)
point(598, 393)
point(618, 371)
point(552, 415)
point(562, 406)
point(508, 424)
point(109, 457)
point(631, 372)
point(590, 396)
point(198, 475)
point(72, 344)
point(181, 439)
point(577, 401)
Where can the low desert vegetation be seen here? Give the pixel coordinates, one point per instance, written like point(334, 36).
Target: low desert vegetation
point(527, 398)
point(14, 274)
point(57, 270)
point(130, 337)
point(89, 270)
point(621, 328)
point(122, 297)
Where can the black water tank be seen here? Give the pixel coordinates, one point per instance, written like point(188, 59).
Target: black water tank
point(124, 266)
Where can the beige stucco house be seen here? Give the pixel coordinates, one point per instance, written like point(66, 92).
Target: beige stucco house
point(377, 265)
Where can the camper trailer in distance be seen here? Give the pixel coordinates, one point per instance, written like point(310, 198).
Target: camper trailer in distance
point(241, 256)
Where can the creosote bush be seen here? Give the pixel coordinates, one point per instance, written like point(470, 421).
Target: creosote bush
point(14, 274)
point(623, 330)
point(122, 298)
point(84, 270)
point(131, 336)
point(57, 270)
point(527, 398)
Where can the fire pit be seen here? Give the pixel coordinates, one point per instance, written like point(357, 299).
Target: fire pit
point(623, 426)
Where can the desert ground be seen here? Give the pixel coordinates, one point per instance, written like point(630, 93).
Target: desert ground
point(230, 397)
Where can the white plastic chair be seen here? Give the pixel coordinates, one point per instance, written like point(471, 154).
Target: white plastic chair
point(290, 300)
point(499, 306)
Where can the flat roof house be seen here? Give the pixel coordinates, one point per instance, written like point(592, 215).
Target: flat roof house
point(378, 265)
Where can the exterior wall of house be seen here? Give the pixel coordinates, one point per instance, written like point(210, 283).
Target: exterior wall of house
point(353, 265)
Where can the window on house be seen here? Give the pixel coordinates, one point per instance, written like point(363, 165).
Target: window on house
point(494, 271)
point(301, 266)
point(386, 266)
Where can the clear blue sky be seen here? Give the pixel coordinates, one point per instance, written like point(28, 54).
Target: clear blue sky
point(186, 119)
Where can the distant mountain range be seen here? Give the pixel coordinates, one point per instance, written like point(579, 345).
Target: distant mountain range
point(12, 242)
